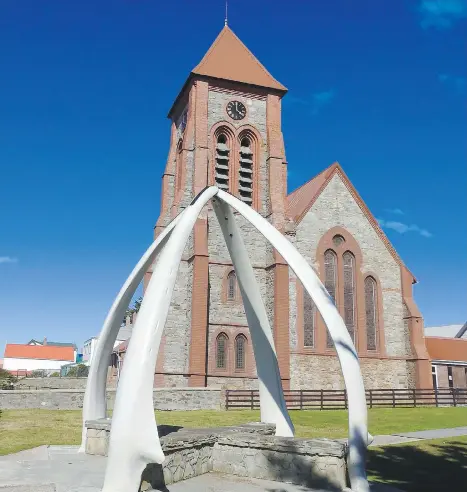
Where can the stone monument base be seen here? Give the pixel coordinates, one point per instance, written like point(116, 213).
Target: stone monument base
point(249, 450)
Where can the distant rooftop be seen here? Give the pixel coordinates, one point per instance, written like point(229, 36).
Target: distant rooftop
point(51, 344)
point(446, 331)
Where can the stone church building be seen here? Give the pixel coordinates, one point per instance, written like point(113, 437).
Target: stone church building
point(226, 131)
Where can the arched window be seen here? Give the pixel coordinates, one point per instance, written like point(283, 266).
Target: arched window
point(231, 286)
point(222, 163)
point(371, 310)
point(349, 292)
point(178, 166)
point(240, 352)
point(221, 351)
point(330, 281)
point(245, 178)
point(309, 310)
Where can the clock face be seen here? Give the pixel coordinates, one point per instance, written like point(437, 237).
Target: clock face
point(236, 110)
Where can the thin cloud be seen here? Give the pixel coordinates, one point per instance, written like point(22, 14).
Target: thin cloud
point(321, 99)
point(441, 14)
point(8, 259)
point(402, 228)
point(317, 101)
point(458, 83)
point(395, 211)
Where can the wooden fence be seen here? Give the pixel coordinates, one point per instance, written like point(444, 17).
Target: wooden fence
point(337, 399)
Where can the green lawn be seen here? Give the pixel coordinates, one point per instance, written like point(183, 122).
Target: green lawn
point(24, 429)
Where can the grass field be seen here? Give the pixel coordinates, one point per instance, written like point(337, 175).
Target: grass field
point(428, 466)
point(24, 429)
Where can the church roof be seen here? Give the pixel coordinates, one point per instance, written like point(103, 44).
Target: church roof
point(228, 58)
point(300, 201)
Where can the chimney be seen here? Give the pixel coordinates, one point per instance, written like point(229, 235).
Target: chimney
point(45, 341)
point(128, 320)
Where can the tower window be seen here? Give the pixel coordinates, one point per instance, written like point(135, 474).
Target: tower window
point(245, 178)
point(178, 166)
point(231, 286)
point(222, 163)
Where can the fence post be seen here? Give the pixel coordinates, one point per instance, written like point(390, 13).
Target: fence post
point(321, 400)
point(301, 399)
point(226, 399)
point(436, 397)
point(454, 400)
point(371, 398)
point(393, 398)
point(345, 398)
point(252, 401)
point(414, 398)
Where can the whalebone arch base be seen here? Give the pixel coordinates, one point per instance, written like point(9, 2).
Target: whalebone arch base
point(134, 439)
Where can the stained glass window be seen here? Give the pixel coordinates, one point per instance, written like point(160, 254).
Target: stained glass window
point(240, 344)
point(371, 312)
point(349, 292)
point(309, 310)
point(330, 280)
point(221, 351)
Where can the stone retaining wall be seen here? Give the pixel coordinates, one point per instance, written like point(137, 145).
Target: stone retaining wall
point(249, 450)
point(51, 383)
point(306, 462)
point(164, 399)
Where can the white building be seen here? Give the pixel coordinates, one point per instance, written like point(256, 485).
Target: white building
point(22, 359)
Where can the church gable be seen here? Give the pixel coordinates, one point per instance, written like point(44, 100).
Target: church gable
point(345, 205)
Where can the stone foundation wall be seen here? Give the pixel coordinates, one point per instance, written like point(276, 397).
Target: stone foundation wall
point(324, 372)
point(232, 383)
point(164, 399)
point(51, 383)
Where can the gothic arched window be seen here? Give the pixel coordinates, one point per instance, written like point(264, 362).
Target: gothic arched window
point(240, 352)
point(330, 281)
point(371, 310)
point(221, 351)
point(231, 286)
point(245, 174)
point(222, 162)
point(349, 292)
point(309, 310)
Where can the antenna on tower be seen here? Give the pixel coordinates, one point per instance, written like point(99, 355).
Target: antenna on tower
point(226, 12)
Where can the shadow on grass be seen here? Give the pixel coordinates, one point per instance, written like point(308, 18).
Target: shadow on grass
point(414, 468)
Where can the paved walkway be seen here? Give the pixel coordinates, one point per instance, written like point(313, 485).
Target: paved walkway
point(418, 436)
point(62, 469)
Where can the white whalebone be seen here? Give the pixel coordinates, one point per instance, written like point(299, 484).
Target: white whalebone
point(134, 440)
point(348, 359)
point(95, 400)
point(272, 402)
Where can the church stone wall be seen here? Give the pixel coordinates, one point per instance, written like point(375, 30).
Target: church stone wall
point(324, 372)
point(336, 207)
point(177, 331)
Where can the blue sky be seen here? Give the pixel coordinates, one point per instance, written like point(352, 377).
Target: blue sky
point(378, 85)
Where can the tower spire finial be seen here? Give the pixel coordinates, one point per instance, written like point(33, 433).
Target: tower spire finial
point(226, 12)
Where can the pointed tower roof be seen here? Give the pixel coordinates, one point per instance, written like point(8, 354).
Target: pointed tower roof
point(228, 58)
